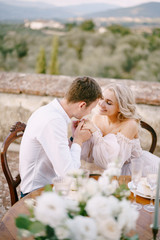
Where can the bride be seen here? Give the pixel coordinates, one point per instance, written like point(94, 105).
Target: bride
point(115, 131)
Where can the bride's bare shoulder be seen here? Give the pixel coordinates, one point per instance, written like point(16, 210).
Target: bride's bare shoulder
point(99, 121)
point(97, 118)
point(130, 128)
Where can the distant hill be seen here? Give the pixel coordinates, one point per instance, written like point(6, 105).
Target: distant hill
point(37, 10)
point(150, 10)
point(34, 10)
point(21, 12)
point(83, 9)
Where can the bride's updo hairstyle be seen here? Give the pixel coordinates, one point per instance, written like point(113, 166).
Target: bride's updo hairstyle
point(126, 101)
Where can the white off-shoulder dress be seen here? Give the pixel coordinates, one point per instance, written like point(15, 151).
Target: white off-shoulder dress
point(102, 150)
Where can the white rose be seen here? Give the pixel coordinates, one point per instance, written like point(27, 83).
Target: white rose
point(50, 209)
point(62, 232)
point(78, 182)
point(88, 190)
point(109, 229)
point(127, 221)
point(24, 233)
point(113, 169)
point(82, 228)
point(113, 205)
point(101, 207)
point(103, 182)
point(76, 173)
point(106, 186)
point(30, 202)
point(100, 238)
point(72, 205)
point(97, 207)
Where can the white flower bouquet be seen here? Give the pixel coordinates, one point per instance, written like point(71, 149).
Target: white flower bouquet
point(101, 211)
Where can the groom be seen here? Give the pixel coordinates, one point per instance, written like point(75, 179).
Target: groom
point(44, 150)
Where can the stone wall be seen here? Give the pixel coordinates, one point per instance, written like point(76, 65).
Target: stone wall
point(21, 94)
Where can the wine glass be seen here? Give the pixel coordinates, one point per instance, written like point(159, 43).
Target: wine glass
point(151, 174)
point(136, 171)
point(62, 185)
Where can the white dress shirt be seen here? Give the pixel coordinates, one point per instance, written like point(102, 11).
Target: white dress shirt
point(44, 150)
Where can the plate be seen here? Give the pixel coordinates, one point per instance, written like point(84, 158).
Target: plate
point(139, 192)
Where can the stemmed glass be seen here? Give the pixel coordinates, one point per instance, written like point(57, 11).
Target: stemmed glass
point(136, 170)
point(151, 173)
point(62, 185)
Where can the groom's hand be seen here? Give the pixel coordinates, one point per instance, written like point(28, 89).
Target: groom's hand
point(89, 125)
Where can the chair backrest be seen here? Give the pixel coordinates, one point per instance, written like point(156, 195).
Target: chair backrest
point(16, 131)
point(153, 134)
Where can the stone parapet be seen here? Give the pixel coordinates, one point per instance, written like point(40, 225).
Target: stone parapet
point(49, 85)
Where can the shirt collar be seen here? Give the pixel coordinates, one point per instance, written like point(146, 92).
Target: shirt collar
point(61, 110)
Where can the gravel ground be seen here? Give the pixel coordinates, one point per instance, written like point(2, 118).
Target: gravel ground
point(4, 190)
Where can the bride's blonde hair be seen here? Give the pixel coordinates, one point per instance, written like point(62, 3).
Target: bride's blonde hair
point(126, 101)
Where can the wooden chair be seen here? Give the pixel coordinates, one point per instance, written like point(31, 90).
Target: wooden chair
point(153, 134)
point(16, 131)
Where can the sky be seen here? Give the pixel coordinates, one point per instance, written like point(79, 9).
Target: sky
point(122, 3)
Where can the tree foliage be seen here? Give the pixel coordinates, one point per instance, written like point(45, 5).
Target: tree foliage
point(54, 58)
point(119, 29)
point(41, 61)
point(113, 54)
point(70, 26)
point(87, 25)
point(21, 49)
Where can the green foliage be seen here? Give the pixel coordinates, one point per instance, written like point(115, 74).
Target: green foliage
point(120, 191)
point(156, 32)
point(114, 54)
point(69, 26)
point(119, 29)
point(48, 188)
point(23, 222)
point(135, 237)
point(54, 58)
point(82, 211)
point(41, 61)
point(78, 46)
point(21, 49)
point(87, 25)
point(154, 43)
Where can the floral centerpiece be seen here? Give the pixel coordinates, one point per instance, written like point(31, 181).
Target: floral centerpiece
point(101, 211)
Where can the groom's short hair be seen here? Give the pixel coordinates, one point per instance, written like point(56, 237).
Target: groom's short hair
point(83, 89)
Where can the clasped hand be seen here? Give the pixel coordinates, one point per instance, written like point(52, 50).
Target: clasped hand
point(86, 124)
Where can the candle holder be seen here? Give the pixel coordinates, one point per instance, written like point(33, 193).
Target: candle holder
point(155, 232)
point(155, 226)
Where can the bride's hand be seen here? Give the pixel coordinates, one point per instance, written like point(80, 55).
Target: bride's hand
point(74, 126)
point(89, 126)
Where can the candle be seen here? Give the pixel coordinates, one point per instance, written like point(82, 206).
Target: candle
point(156, 211)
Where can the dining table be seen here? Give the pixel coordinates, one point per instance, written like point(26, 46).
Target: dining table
point(8, 230)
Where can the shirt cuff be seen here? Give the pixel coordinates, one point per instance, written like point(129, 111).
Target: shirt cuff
point(76, 146)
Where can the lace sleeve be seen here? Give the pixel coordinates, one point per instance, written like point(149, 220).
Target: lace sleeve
point(87, 147)
point(86, 152)
point(129, 148)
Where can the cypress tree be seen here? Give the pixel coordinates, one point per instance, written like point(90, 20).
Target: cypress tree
point(41, 61)
point(54, 58)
